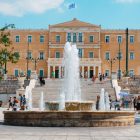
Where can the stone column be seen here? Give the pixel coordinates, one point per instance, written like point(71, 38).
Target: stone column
point(59, 71)
point(88, 71)
point(48, 71)
point(83, 71)
point(99, 67)
point(94, 70)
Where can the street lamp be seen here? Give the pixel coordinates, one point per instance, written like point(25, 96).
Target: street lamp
point(119, 58)
point(7, 26)
point(111, 62)
point(35, 60)
point(27, 58)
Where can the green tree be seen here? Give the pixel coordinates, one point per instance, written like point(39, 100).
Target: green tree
point(7, 53)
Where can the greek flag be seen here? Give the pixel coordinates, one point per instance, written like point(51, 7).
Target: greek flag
point(72, 5)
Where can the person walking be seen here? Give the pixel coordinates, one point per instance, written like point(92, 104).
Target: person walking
point(10, 105)
point(135, 103)
point(97, 102)
point(24, 102)
point(15, 104)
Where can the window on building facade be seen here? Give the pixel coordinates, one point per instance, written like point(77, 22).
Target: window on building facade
point(41, 39)
point(17, 39)
point(91, 38)
point(119, 39)
point(41, 73)
point(41, 55)
point(16, 72)
point(57, 54)
point(74, 38)
point(119, 55)
point(80, 37)
point(80, 52)
point(119, 73)
point(29, 38)
point(131, 55)
point(29, 55)
point(107, 38)
point(131, 39)
point(107, 55)
point(69, 37)
point(58, 38)
point(91, 55)
point(107, 73)
point(131, 73)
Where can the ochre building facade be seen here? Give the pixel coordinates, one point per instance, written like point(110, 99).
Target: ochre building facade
point(98, 48)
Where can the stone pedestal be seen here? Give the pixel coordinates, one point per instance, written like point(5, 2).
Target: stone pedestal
point(21, 90)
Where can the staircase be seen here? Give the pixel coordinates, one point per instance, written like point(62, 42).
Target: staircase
point(89, 90)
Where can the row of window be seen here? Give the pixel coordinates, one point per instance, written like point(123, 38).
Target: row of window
point(29, 39)
point(41, 55)
point(71, 37)
point(119, 39)
point(90, 55)
point(119, 55)
point(119, 73)
point(17, 72)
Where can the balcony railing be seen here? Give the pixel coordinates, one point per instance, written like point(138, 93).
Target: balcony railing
point(82, 60)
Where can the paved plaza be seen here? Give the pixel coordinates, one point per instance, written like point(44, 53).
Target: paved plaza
point(69, 133)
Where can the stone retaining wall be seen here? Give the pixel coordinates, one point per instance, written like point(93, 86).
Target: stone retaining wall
point(69, 118)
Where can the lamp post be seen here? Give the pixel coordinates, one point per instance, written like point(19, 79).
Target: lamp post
point(35, 60)
point(111, 62)
point(27, 58)
point(7, 26)
point(119, 58)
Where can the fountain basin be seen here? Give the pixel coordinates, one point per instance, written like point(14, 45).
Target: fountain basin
point(69, 118)
point(70, 106)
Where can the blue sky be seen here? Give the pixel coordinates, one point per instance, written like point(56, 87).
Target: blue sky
point(110, 14)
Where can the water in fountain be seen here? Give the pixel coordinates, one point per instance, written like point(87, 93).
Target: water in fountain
point(104, 103)
point(107, 102)
point(71, 90)
point(102, 100)
point(42, 102)
point(28, 93)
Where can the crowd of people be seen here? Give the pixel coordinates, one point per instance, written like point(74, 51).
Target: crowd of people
point(16, 104)
point(130, 102)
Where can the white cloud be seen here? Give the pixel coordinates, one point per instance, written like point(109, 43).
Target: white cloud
point(127, 1)
point(22, 7)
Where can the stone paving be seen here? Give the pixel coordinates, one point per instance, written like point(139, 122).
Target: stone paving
point(69, 133)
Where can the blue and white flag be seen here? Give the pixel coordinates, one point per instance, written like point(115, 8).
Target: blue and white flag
point(72, 5)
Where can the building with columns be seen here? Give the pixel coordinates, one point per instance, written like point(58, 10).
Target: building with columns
point(97, 47)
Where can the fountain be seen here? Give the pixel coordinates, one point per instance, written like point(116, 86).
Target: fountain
point(70, 109)
point(70, 95)
point(41, 102)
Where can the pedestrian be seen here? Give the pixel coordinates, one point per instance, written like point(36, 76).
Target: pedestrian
point(97, 102)
point(110, 101)
point(100, 77)
point(15, 104)
point(103, 76)
point(10, 105)
point(138, 103)
point(24, 102)
point(135, 103)
point(53, 74)
point(20, 100)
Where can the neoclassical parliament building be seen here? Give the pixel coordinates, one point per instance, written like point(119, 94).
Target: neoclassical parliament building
point(98, 48)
